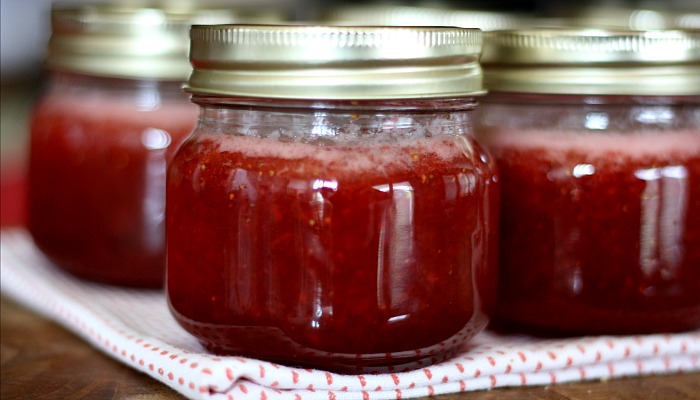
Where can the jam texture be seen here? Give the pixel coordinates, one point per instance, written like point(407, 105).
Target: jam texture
point(349, 257)
point(97, 182)
point(600, 232)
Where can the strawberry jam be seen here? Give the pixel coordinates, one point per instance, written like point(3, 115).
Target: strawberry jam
point(99, 150)
point(350, 251)
point(600, 230)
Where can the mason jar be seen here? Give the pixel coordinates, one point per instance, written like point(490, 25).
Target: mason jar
point(597, 139)
point(333, 209)
point(108, 121)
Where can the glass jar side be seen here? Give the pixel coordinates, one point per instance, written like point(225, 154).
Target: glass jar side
point(98, 154)
point(351, 236)
point(600, 212)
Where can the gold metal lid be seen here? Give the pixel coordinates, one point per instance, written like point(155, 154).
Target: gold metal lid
point(333, 62)
point(593, 61)
point(127, 41)
point(402, 15)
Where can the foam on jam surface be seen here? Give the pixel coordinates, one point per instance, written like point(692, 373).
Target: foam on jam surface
point(343, 257)
point(632, 144)
point(97, 183)
point(600, 233)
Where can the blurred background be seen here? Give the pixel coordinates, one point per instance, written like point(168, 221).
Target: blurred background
point(26, 29)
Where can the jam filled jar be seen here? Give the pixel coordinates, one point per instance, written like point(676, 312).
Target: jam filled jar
point(597, 140)
point(111, 117)
point(332, 209)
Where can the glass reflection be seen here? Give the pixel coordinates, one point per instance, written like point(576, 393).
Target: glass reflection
point(656, 115)
point(153, 208)
point(596, 121)
point(583, 170)
point(395, 252)
point(664, 204)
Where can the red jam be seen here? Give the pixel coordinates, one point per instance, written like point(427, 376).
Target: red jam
point(349, 257)
point(600, 232)
point(97, 179)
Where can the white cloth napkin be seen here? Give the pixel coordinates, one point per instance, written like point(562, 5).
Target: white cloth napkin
point(135, 328)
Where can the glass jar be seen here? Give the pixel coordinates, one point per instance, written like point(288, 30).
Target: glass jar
point(325, 212)
point(111, 117)
point(597, 140)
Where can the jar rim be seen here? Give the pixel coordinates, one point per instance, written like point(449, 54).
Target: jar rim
point(414, 105)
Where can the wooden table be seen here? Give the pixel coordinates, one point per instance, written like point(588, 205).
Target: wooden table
point(42, 360)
